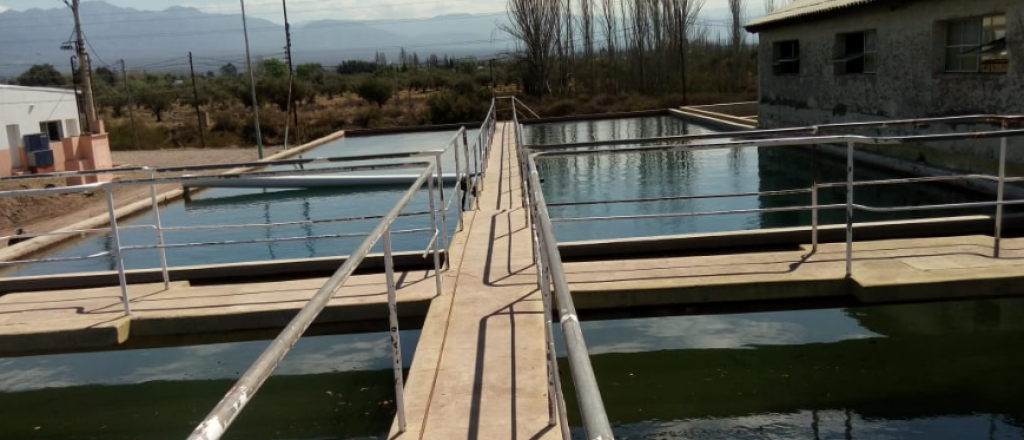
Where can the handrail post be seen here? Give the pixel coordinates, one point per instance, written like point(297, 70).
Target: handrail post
point(556, 401)
point(433, 225)
point(118, 258)
point(442, 206)
point(849, 209)
point(1000, 194)
point(469, 183)
point(460, 186)
point(159, 232)
point(396, 339)
point(814, 218)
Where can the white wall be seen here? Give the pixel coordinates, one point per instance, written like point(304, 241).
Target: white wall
point(28, 106)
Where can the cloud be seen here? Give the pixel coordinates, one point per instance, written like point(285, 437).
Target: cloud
point(3, 9)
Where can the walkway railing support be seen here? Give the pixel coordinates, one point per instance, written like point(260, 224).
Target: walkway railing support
point(849, 209)
point(115, 235)
point(159, 233)
point(1000, 194)
point(396, 337)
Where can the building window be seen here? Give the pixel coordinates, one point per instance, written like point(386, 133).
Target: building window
point(786, 57)
point(53, 129)
point(857, 53)
point(977, 44)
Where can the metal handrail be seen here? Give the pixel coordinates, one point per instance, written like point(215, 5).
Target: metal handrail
point(231, 405)
point(550, 273)
point(814, 130)
point(758, 139)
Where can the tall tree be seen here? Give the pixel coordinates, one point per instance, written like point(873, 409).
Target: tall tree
point(736, 10)
point(40, 75)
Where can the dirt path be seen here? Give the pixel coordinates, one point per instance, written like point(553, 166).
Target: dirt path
point(47, 213)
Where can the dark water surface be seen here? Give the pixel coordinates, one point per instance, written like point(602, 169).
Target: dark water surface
point(259, 206)
point(736, 170)
point(329, 387)
point(926, 371)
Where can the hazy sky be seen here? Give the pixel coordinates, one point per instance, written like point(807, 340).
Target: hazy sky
point(307, 10)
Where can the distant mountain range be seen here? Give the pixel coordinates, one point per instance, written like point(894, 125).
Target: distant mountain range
point(149, 40)
point(162, 40)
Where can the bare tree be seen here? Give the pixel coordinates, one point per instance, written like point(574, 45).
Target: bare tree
point(736, 11)
point(536, 25)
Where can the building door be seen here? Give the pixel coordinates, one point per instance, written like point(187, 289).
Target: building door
point(14, 143)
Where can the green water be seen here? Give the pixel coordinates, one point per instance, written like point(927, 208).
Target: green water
point(927, 371)
point(329, 387)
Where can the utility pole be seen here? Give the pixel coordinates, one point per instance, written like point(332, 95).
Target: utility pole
point(293, 109)
point(131, 104)
point(195, 96)
point(92, 121)
point(78, 99)
point(252, 84)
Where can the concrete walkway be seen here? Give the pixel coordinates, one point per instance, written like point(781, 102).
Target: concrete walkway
point(78, 319)
point(480, 370)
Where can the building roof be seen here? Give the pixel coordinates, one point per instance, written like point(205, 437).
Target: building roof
point(803, 9)
point(35, 89)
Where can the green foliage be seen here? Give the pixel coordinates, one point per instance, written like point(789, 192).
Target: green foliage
point(375, 90)
point(109, 97)
point(158, 98)
point(105, 75)
point(275, 90)
point(351, 67)
point(228, 70)
point(273, 68)
point(311, 72)
point(453, 105)
point(40, 75)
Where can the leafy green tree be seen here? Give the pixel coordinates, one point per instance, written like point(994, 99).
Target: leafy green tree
point(106, 75)
point(312, 72)
point(228, 70)
point(333, 85)
point(40, 75)
point(107, 96)
point(156, 97)
point(375, 90)
point(273, 68)
point(275, 90)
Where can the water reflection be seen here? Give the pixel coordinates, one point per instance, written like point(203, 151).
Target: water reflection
point(651, 175)
point(938, 370)
point(328, 387)
point(259, 206)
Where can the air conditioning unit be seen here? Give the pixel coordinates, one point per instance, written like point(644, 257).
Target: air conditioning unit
point(40, 159)
point(35, 142)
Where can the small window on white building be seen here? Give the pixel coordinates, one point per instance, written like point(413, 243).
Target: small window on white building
point(786, 57)
point(977, 44)
point(53, 129)
point(857, 53)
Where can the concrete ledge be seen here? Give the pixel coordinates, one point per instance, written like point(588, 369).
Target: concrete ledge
point(791, 238)
point(110, 334)
point(363, 132)
point(638, 295)
point(595, 117)
point(217, 273)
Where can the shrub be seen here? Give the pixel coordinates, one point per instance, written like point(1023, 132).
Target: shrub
point(375, 90)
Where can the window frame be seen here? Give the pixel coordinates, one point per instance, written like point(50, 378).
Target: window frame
point(985, 24)
point(44, 127)
point(780, 59)
point(842, 61)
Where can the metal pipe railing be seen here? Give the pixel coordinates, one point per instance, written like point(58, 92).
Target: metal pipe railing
point(225, 412)
point(814, 130)
point(550, 273)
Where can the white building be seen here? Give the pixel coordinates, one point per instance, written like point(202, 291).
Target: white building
point(30, 110)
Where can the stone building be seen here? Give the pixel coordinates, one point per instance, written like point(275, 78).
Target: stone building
point(824, 61)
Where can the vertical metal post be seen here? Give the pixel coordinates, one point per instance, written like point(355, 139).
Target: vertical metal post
point(396, 340)
point(460, 185)
point(1000, 194)
point(443, 207)
point(116, 235)
point(849, 209)
point(814, 218)
point(433, 225)
point(470, 183)
point(159, 233)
